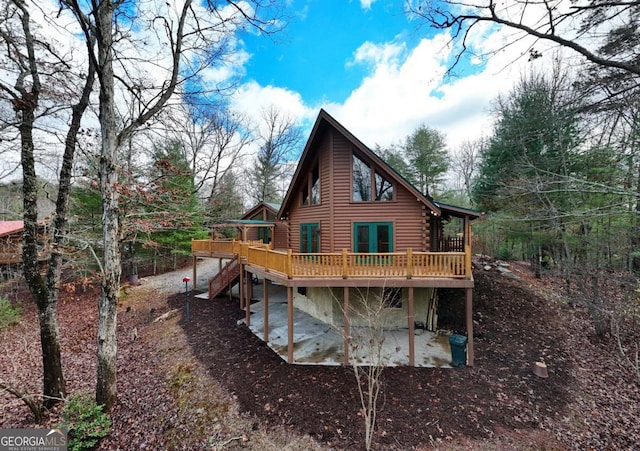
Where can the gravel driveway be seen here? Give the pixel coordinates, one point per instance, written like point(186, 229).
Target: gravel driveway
point(171, 282)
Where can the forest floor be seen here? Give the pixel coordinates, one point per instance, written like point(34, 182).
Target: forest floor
point(210, 383)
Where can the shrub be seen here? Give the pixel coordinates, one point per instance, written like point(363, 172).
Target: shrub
point(85, 422)
point(9, 314)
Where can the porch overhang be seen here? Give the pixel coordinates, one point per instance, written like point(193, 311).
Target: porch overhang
point(243, 225)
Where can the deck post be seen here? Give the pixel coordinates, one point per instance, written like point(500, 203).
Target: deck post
point(240, 290)
point(227, 282)
point(290, 324)
point(409, 263)
point(412, 338)
point(469, 321)
point(345, 313)
point(345, 267)
point(247, 298)
point(265, 285)
point(289, 263)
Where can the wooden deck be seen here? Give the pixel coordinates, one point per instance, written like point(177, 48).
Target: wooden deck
point(341, 265)
point(345, 269)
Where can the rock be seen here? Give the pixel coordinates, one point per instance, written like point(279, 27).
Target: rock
point(540, 370)
point(166, 316)
point(487, 268)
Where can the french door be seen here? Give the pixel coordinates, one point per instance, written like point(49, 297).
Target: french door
point(373, 237)
point(310, 238)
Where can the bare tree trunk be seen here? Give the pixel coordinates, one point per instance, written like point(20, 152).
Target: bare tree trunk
point(45, 289)
point(53, 380)
point(106, 391)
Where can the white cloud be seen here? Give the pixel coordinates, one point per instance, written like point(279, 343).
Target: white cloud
point(403, 90)
point(252, 99)
point(406, 88)
point(366, 4)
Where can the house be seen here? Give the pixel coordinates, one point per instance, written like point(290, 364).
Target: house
point(11, 246)
point(348, 222)
point(11, 241)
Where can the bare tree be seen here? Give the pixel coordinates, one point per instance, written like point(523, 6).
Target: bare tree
point(36, 66)
point(366, 323)
point(189, 37)
point(581, 26)
point(465, 162)
point(279, 137)
point(212, 138)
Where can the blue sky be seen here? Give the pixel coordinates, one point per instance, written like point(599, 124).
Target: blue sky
point(372, 67)
point(314, 54)
point(376, 71)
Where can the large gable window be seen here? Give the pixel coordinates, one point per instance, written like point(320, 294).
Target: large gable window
point(384, 188)
point(361, 180)
point(368, 184)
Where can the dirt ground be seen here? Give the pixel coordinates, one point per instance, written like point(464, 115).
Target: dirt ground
point(211, 383)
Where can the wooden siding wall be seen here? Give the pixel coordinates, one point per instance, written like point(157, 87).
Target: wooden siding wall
point(252, 234)
point(337, 213)
point(280, 240)
point(313, 213)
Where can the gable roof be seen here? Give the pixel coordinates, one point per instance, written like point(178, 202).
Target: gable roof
point(10, 227)
point(272, 206)
point(325, 120)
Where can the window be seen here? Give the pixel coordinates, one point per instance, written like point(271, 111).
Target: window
point(315, 186)
point(365, 180)
point(361, 180)
point(311, 189)
point(384, 188)
point(309, 238)
point(373, 237)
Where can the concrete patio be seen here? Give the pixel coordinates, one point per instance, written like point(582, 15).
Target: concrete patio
point(320, 343)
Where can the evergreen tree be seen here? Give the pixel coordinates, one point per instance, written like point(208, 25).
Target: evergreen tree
point(426, 152)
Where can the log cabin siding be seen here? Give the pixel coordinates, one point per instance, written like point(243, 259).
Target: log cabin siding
point(337, 213)
point(252, 234)
point(281, 234)
point(410, 230)
point(319, 214)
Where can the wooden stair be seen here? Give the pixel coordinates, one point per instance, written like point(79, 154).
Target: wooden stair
point(225, 279)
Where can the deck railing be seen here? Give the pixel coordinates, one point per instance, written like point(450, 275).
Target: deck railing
point(343, 264)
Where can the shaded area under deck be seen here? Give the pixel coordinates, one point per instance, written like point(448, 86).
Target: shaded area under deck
point(318, 343)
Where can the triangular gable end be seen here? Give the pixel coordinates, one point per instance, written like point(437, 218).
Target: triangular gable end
point(269, 206)
point(324, 120)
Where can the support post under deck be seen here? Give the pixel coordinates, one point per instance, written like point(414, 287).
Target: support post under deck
point(247, 298)
point(290, 324)
point(469, 321)
point(412, 336)
point(345, 313)
point(266, 283)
